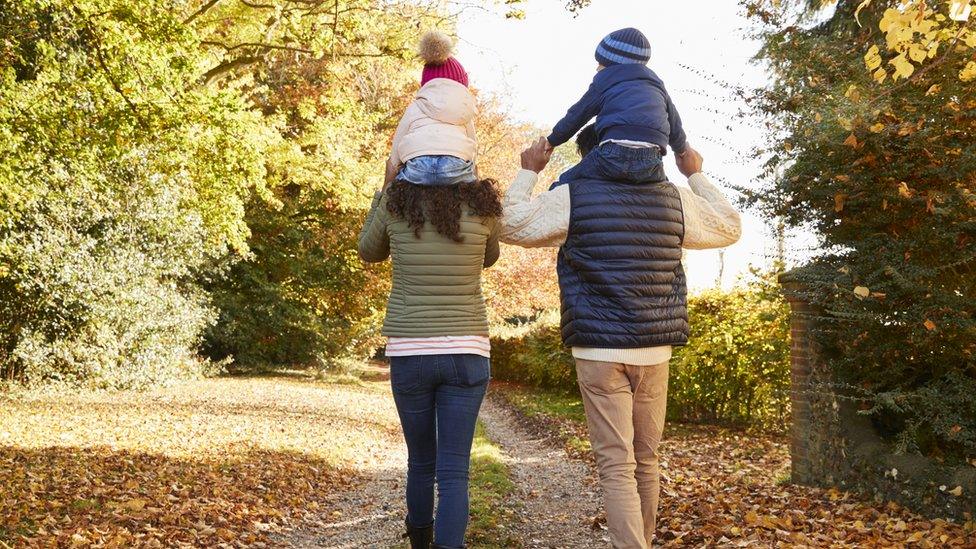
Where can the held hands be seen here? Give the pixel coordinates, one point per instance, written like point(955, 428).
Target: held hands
point(536, 157)
point(689, 162)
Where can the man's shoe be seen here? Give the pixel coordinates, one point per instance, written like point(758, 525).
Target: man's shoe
point(420, 538)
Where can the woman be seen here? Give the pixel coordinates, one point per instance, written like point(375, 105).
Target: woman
point(440, 236)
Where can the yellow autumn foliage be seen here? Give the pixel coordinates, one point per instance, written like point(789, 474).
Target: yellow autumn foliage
point(916, 32)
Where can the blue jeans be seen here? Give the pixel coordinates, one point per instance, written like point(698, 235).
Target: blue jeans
point(438, 398)
point(619, 163)
point(437, 171)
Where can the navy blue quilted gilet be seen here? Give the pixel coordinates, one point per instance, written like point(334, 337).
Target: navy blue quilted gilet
point(620, 275)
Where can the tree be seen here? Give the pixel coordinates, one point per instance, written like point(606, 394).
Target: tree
point(885, 173)
point(339, 78)
point(122, 182)
point(523, 283)
point(303, 296)
point(917, 33)
point(179, 167)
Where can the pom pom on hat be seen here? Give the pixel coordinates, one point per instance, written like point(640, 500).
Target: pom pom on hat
point(436, 48)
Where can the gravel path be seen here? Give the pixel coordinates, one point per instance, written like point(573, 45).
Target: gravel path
point(556, 499)
point(559, 496)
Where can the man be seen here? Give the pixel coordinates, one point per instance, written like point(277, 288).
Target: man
point(624, 304)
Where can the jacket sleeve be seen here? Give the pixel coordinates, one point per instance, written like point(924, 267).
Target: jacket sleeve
point(678, 140)
point(710, 219)
point(470, 131)
point(577, 116)
point(374, 241)
point(402, 128)
point(492, 249)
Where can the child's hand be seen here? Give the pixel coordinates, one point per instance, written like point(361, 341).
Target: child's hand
point(549, 147)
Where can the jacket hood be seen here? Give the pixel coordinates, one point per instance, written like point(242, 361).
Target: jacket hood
point(447, 101)
point(622, 73)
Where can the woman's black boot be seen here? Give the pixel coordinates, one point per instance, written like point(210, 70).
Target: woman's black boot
point(420, 538)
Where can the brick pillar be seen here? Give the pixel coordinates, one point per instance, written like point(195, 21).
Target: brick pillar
point(831, 445)
point(802, 358)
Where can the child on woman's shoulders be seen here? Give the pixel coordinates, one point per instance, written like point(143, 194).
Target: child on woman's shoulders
point(435, 142)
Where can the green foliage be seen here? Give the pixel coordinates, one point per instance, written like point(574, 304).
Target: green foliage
point(532, 353)
point(886, 175)
point(178, 168)
point(735, 369)
point(121, 182)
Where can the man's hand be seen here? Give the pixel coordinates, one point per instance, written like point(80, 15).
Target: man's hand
point(689, 162)
point(536, 157)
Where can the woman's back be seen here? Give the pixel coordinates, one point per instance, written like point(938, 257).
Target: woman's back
point(436, 276)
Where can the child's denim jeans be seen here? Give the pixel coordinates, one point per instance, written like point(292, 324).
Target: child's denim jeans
point(438, 398)
point(437, 171)
point(617, 162)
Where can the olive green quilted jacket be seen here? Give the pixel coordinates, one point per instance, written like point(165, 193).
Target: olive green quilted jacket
point(436, 281)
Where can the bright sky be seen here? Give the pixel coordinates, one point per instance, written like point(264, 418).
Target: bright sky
point(546, 62)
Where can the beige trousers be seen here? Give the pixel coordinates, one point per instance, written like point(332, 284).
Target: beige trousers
point(625, 408)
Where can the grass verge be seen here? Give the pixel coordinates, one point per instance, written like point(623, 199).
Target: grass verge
point(491, 490)
point(535, 402)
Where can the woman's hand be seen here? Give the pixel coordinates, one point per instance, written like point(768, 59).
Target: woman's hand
point(689, 162)
point(391, 173)
point(536, 157)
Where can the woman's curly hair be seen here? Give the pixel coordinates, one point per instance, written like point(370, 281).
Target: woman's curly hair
point(441, 206)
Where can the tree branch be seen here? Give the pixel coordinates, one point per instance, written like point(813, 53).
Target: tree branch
point(111, 77)
point(203, 9)
point(259, 45)
point(228, 66)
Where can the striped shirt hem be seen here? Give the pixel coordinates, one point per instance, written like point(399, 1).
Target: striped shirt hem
point(443, 345)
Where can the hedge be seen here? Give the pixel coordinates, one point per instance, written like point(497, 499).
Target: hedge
point(734, 371)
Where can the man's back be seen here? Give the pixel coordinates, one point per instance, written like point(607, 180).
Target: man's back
point(620, 270)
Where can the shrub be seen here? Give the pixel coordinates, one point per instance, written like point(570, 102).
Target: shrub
point(532, 353)
point(121, 183)
point(735, 369)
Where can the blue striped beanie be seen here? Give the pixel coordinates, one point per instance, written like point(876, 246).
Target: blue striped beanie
point(625, 46)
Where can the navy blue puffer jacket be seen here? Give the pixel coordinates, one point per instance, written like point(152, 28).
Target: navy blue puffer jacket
point(621, 281)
